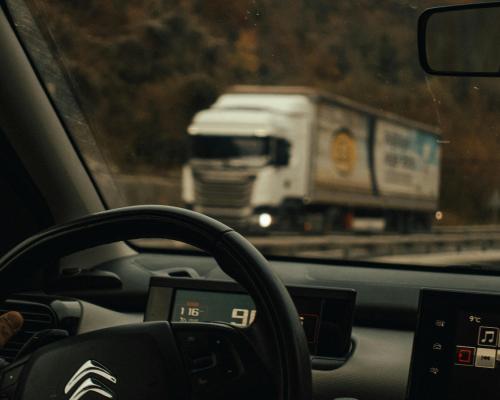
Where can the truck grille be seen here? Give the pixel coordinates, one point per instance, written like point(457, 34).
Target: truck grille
point(233, 193)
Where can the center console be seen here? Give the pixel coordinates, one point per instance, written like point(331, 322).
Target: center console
point(456, 352)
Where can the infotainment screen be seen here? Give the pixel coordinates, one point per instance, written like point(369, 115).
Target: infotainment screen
point(457, 347)
point(326, 314)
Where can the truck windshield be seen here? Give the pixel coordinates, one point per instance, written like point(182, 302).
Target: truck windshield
point(220, 147)
point(375, 160)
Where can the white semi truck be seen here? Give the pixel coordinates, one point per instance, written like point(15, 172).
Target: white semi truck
point(294, 158)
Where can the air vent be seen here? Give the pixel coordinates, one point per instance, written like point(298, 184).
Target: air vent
point(178, 273)
point(37, 317)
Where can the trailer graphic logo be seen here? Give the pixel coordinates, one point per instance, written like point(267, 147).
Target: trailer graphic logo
point(343, 151)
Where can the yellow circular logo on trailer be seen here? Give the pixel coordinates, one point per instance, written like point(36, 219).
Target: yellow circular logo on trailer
point(343, 151)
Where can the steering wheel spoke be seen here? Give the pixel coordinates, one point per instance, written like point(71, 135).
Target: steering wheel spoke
point(221, 361)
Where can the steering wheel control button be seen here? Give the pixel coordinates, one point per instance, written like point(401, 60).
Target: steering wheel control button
point(204, 362)
point(11, 376)
point(205, 381)
point(9, 381)
point(194, 343)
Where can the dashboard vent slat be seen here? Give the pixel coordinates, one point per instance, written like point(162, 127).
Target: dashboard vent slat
point(37, 316)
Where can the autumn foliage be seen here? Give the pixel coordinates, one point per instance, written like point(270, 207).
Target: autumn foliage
point(143, 68)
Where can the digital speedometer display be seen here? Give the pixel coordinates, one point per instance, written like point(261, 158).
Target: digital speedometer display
point(202, 306)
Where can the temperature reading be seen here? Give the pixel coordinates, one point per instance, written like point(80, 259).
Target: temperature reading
point(242, 317)
point(475, 318)
point(190, 311)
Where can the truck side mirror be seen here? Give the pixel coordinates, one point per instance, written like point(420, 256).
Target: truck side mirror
point(282, 157)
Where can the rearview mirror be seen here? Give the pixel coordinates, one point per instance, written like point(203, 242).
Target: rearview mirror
point(461, 40)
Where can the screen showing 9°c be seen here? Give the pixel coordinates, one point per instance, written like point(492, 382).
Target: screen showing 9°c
point(476, 368)
point(236, 309)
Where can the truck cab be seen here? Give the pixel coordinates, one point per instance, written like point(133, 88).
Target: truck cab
point(247, 157)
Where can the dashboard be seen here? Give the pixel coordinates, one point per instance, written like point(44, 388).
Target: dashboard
point(387, 303)
point(455, 349)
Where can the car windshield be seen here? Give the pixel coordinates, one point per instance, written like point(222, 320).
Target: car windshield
point(369, 158)
point(220, 147)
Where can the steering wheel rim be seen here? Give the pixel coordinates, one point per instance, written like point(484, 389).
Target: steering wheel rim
point(234, 254)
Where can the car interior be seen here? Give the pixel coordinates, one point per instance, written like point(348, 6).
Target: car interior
point(107, 318)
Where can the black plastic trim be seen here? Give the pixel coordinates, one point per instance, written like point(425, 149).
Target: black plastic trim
point(422, 38)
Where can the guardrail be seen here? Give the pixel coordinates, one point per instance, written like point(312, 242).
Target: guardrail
point(466, 229)
point(341, 246)
point(364, 246)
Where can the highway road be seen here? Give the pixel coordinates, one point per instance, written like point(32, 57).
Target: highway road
point(458, 245)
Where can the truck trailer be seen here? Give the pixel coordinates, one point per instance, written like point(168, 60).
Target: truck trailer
point(298, 159)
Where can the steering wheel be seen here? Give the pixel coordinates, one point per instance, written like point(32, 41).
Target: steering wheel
point(162, 360)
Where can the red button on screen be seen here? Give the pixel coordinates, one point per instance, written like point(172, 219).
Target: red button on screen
point(465, 355)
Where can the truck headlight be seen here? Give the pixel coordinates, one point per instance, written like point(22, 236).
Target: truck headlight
point(265, 220)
